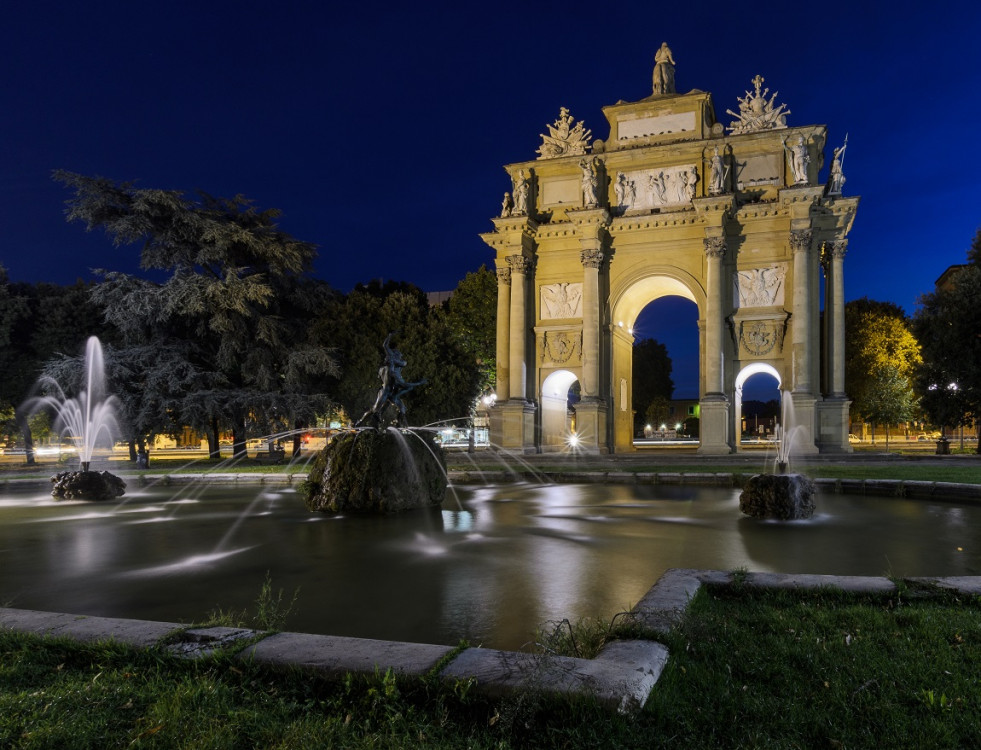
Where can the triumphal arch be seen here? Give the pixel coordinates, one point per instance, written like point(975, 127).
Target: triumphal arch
point(733, 216)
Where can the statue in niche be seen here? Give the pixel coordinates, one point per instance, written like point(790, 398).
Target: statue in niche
point(590, 181)
point(625, 190)
point(756, 113)
point(798, 159)
point(507, 206)
point(664, 70)
point(759, 287)
point(522, 188)
point(719, 174)
point(564, 138)
point(658, 188)
point(836, 178)
point(562, 300)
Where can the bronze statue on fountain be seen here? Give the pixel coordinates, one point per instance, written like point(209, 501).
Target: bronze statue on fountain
point(377, 467)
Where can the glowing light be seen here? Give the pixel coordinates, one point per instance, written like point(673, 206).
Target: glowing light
point(573, 440)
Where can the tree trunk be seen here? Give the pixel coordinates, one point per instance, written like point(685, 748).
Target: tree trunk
point(25, 431)
point(887, 438)
point(132, 450)
point(297, 438)
point(238, 438)
point(214, 447)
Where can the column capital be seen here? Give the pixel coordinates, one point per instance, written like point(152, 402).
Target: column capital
point(519, 264)
point(504, 276)
point(800, 240)
point(715, 247)
point(592, 258)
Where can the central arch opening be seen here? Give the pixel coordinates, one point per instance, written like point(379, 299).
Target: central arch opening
point(656, 323)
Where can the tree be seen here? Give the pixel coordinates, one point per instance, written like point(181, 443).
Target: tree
point(880, 349)
point(38, 322)
point(472, 316)
point(651, 377)
point(359, 323)
point(948, 323)
point(889, 399)
point(234, 309)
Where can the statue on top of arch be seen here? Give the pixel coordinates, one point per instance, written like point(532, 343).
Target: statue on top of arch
point(756, 113)
point(566, 137)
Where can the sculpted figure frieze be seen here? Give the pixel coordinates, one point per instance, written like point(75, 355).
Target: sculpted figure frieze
point(566, 137)
point(760, 287)
point(562, 300)
point(756, 113)
point(655, 188)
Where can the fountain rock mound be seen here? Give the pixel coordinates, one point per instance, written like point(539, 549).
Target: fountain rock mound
point(376, 471)
point(784, 497)
point(87, 485)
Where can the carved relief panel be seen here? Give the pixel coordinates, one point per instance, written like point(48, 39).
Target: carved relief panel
point(561, 300)
point(761, 338)
point(560, 348)
point(654, 188)
point(759, 287)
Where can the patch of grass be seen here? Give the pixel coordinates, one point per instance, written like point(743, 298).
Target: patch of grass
point(271, 612)
point(748, 668)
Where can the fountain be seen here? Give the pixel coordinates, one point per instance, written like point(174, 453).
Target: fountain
point(780, 495)
point(375, 468)
point(84, 419)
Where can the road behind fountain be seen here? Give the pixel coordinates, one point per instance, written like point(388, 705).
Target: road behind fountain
point(491, 566)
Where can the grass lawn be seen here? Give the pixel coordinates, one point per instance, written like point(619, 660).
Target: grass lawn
point(747, 669)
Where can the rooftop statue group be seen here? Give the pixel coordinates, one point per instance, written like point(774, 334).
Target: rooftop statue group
point(758, 111)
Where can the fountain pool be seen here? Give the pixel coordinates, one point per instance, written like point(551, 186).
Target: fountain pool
point(489, 567)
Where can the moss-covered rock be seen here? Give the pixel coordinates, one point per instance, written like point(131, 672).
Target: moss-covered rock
point(784, 497)
point(376, 471)
point(87, 485)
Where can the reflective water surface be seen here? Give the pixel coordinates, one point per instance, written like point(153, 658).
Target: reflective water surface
point(494, 564)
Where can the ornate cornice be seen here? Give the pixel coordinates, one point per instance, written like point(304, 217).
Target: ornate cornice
point(715, 247)
point(800, 240)
point(520, 264)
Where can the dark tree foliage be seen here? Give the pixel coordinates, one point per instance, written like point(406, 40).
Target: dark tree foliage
point(358, 324)
point(38, 322)
point(231, 318)
point(472, 316)
point(948, 326)
point(651, 377)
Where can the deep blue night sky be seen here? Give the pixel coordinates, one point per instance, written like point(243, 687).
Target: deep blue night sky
point(381, 130)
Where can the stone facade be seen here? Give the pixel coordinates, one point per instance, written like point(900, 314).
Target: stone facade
point(739, 223)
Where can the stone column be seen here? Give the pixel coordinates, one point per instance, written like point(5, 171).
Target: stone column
point(715, 249)
point(519, 265)
point(836, 331)
point(592, 261)
point(714, 419)
point(803, 361)
point(503, 332)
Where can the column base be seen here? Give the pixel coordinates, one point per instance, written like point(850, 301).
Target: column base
point(713, 426)
point(804, 426)
point(512, 426)
point(591, 426)
point(832, 421)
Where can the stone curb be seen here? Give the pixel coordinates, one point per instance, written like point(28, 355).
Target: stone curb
point(621, 676)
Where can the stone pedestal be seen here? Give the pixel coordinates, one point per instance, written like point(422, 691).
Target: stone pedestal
point(832, 420)
point(512, 426)
point(591, 426)
point(805, 421)
point(713, 426)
